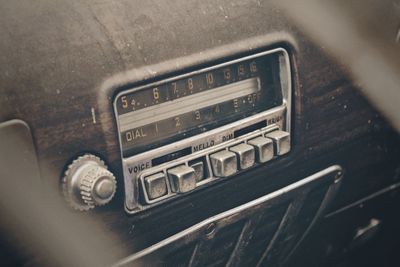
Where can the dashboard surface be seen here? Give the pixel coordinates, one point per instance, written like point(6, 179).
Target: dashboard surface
point(64, 63)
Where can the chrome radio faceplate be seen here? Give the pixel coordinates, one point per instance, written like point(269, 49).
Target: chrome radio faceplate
point(187, 132)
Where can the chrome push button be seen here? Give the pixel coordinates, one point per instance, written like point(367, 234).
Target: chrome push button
point(245, 155)
point(264, 148)
point(156, 185)
point(170, 180)
point(198, 170)
point(281, 141)
point(223, 163)
point(182, 179)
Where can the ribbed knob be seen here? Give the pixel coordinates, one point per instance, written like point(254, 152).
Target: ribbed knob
point(88, 183)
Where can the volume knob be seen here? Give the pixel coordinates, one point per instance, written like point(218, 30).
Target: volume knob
point(88, 183)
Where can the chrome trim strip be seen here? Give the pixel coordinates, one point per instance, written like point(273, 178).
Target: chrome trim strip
point(312, 178)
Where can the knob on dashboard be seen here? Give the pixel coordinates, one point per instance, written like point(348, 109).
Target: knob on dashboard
point(88, 183)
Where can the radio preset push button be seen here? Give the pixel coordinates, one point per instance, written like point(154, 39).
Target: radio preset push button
point(198, 170)
point(223, 163)
point(245, 155)
point(182, 179)
point(264, 148)
point(281, 141)
point(156, 185)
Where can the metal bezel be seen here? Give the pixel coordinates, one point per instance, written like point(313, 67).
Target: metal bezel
point(131, 181)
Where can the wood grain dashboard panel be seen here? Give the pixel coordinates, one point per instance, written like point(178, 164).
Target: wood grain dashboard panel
point(62, 78)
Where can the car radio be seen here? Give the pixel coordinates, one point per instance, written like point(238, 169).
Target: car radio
point(187, 132)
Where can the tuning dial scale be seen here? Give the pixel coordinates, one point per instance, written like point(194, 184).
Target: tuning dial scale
point(87, 183)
